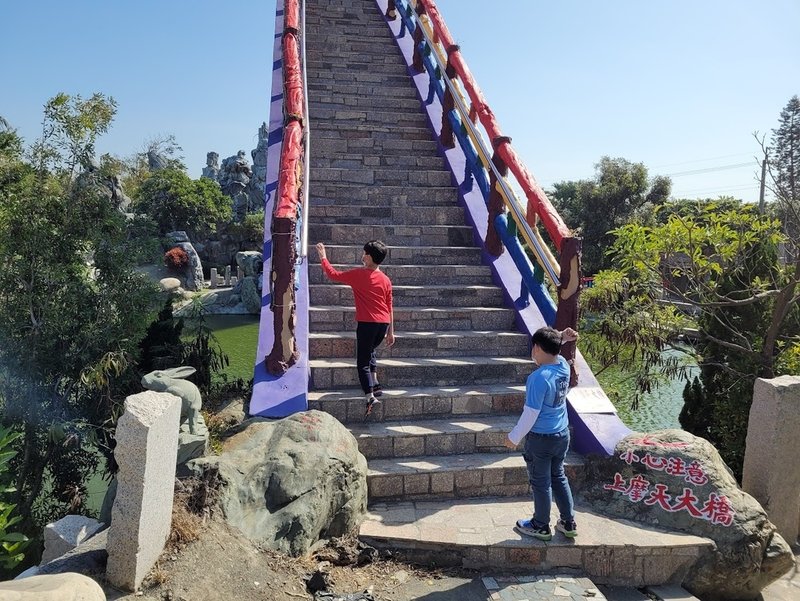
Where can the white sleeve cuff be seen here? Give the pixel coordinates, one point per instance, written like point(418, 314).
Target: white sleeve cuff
point(524, 425)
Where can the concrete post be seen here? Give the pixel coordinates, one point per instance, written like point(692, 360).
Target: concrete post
point(227, 275)
point(214, 277)
point(141, 518)
point(772, 453)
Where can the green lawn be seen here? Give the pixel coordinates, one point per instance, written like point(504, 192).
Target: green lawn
point(238, 335)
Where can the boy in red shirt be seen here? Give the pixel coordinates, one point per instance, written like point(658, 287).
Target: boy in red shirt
point(373, 295)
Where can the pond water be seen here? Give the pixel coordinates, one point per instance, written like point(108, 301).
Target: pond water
point(658, 409)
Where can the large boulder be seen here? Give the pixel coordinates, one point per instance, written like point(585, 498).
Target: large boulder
point(56, 587)
point(287, 484)
point(673, 479)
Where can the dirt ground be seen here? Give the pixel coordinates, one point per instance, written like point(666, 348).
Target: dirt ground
point(222, 564)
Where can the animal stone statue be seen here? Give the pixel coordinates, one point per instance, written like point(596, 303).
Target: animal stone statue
point(172, 381)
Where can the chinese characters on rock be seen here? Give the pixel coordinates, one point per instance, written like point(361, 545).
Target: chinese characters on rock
point(716, 509)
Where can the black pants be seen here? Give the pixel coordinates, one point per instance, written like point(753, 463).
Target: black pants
point(368, 336)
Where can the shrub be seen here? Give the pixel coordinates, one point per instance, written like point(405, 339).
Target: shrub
point(12, 544)
point(176, 258)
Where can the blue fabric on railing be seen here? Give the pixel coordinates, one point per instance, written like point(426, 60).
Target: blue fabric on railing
point(537, 289)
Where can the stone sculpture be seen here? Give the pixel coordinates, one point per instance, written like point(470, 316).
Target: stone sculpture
point(172, 381)
point(194, 271)
point(156, 161)
point(108, 186)
point(234, 178)
point(258, 181)
point(211, 170)
point(193, 433)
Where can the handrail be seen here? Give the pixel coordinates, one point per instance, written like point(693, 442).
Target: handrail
point(536, 196)
point(306, 141)
point(291, 198)
point(511, 200)
point(464, 110)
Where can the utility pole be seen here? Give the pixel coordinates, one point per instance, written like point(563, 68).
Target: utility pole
point(763, 185)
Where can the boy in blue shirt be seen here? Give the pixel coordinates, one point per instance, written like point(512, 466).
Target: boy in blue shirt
point(545, 426)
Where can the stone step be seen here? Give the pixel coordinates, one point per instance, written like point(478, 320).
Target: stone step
point(410, 403)
point(419, 296)
point(331, 128)
point(457, 476)
point(385, 195)
point(418, 274)
point(401, 80)
point(477, 434)
point(318, 28)
point(340, 102)
point(459, 343)
point(371, 215)
point(378, 176)
point(410, 255)
point(331, 318)
point(331, 147)
point(340, 372)
point(348, 117)
point(346, 57)
point(317, 88)
point(393, 235)
point(479, 534)
point(345, 160)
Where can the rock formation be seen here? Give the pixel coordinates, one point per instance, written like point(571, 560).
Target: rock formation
point(676, 480)
point(286, 484)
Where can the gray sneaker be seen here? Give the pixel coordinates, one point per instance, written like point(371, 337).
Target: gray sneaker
point(568, 527)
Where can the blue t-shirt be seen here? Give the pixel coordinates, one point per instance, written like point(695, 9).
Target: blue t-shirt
point(546, 390)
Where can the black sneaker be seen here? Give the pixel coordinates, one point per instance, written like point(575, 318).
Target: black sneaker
point(568, 527)
point(528, 528)
point(371, 402)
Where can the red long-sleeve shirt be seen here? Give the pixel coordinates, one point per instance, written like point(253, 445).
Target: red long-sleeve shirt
point(372, 290)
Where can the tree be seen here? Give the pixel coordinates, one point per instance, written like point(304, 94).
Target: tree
point(722, 261)
point(620, 191)
point(177, 202)
point(784, 155)
point(72, 312)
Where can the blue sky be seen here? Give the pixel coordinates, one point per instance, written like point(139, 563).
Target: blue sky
point(679, 84)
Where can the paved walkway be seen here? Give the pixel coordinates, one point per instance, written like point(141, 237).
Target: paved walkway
point(788, 587)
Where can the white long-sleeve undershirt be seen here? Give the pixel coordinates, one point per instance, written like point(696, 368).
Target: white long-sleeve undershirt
point(524, 424)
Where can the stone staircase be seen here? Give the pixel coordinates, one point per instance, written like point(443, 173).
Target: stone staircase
point(442, 486)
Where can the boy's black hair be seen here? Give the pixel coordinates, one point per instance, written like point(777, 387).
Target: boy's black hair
point(548, 339)
point(376, 250)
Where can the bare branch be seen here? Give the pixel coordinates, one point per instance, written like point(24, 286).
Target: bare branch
point(732, 346)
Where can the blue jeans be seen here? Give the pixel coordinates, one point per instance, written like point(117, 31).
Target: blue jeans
point(544, 455)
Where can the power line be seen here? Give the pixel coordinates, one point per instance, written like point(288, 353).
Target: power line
point(710, 169)
point(725, 156)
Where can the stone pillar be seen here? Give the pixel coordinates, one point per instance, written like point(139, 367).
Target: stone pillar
point(141, 518)
point(227, 275)
point(239, 273)
point(772, 453)
point(213, 283)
